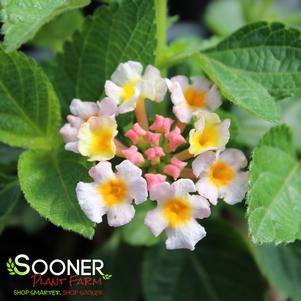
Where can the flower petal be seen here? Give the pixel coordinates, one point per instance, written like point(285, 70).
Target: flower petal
point(213, 98)
point(120, 215)
point(129, 105)
point(126, 72)
point(200, 206)
point(183, 186)
point(90, 201)
point(235, 193)
point(138, 190)
point(161, 192)
point(234, 158)
point(224, 133)
point(113, 91)
point(69, 133)
point(201, 83)
point(181, 80)
point(185, 237)
point(177, 96)
point(152, 85)
point(203, 162)
point(83, 109)
point(72, 147)
point(207, 189)
point(128, 171)
point(107, 106)
point(183, 113)
point(96, 138)
point(155, 221)
point(101, 172)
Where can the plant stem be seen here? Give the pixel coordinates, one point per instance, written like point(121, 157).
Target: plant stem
point(161, 21)
point(141, 115)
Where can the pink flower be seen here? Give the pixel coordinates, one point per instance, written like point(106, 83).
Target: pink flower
point(154, 179)
point(153, 138)
point(154, 152)
point(161, 124)
point(138, 129)
point(175, 168)
point(175, 138)
point(133, 155)
point(135, 133)
point(176, 162)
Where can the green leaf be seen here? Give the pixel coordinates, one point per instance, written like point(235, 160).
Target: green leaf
point(255, 65)
point(274, 198)
point(9, 196)
point(116, 33)
point(290, 109)
point(136, 233)
point(53, 34)
point(251, 129)
point(29, 109)
point(221, 268)
point(281, 265)
point(48, 180)
point(22, 19)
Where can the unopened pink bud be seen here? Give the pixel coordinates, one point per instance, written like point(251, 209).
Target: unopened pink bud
point(175, 168)
point(154, 152)
point(131, 134)
point(138, 129)
point(161, 124)
point(153, 138)
point(133, 155)
point(175, 138)
point(135, 133)
point(154, 179)
point(172, 170)
point(159, 151)
point(180, 164)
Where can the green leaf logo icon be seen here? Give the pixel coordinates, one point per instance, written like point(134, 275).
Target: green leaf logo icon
point(11, 267)
point(106, 276)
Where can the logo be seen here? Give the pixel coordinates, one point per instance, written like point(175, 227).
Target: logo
point(69, 277)
point(57, 267)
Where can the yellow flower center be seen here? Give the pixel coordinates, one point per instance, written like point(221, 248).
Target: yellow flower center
point(102, 141)
point(195, 99)
point(113, 192)
point(205, 139)
point(221, 174)
point(129, 90)
point(177, 212)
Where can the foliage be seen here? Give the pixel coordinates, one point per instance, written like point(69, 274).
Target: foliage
point(94, 53)
point(22, 19)
point(274, 202)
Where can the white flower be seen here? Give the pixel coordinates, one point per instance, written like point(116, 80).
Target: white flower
point(209, 133)
point(176, 212)
point(81, 112)
point(220, 176)
point(128, 85)
point(188, 98)
point(96, 138)
point(112, 193)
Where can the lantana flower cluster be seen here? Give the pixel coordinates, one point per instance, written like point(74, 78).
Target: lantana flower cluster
point(180, 162)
